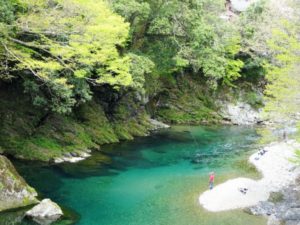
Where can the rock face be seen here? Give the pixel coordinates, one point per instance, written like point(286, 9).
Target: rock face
point(240, 113)
point(45, 213)
point(14, 191)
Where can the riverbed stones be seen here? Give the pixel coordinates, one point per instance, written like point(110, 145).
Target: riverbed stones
point(284, 210)
point(264, 208)
point(46, 212)
point(14, 191)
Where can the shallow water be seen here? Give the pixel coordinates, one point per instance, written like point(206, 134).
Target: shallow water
point(153, 180)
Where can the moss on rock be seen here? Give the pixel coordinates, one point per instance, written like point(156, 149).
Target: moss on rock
point(14, 191)
point(187, 102)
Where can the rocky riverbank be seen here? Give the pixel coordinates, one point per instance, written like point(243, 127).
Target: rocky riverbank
point(282, 207)
point(278, 173)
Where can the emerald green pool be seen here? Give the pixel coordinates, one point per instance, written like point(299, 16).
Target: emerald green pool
point(154, 180)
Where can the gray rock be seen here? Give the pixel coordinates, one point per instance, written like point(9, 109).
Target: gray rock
point(14, 191)
point(46, 212)
point(292, 214)
point(74, 154)
point(68, 155)
point(284, 210)
point(262, 209)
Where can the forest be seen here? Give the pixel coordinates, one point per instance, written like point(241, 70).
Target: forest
point(70, 65)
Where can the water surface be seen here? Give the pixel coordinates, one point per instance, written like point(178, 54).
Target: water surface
point(154, 180)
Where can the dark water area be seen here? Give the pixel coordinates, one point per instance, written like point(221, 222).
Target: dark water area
point(151, 180)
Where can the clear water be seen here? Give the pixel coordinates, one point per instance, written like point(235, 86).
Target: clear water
point(154, 180)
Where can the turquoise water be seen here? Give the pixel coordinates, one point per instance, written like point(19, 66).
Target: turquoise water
point(154, 180)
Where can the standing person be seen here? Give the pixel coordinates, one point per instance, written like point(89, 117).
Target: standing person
point(284, 135)
point(211, 180)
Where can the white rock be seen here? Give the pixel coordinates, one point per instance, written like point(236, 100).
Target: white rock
point(72, 159)
point(46, 212)
point(158, 125)
point(84, 154)
point(58, 160)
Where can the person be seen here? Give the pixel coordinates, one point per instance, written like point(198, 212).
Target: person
point(211, 180)
point(284, 135)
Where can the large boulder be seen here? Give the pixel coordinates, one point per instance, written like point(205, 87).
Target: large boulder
point(14, 191)
point(46, 212)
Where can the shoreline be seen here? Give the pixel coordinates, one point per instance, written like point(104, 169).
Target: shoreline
point(277, 172)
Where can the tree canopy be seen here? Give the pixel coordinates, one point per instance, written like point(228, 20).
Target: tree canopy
point(65, 46)
point(61, 48)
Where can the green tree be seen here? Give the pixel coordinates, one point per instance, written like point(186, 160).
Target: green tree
point(282, 92)
point(183, 35)
point(63, 45)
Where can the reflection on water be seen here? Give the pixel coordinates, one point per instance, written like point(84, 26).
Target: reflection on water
point(152, 180)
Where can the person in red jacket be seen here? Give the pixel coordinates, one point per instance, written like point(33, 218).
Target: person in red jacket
point(211, 180)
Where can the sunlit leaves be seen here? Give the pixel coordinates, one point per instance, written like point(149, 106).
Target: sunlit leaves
point(60, 41)
point(282, 91)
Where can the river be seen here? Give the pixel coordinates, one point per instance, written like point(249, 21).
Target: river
point(153, 180)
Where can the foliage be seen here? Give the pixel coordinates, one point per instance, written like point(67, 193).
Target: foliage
point(254, 99)
point(63, 45)
point(184, 35)
point(282, 91)
point(140, 67)
point(62, 48)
